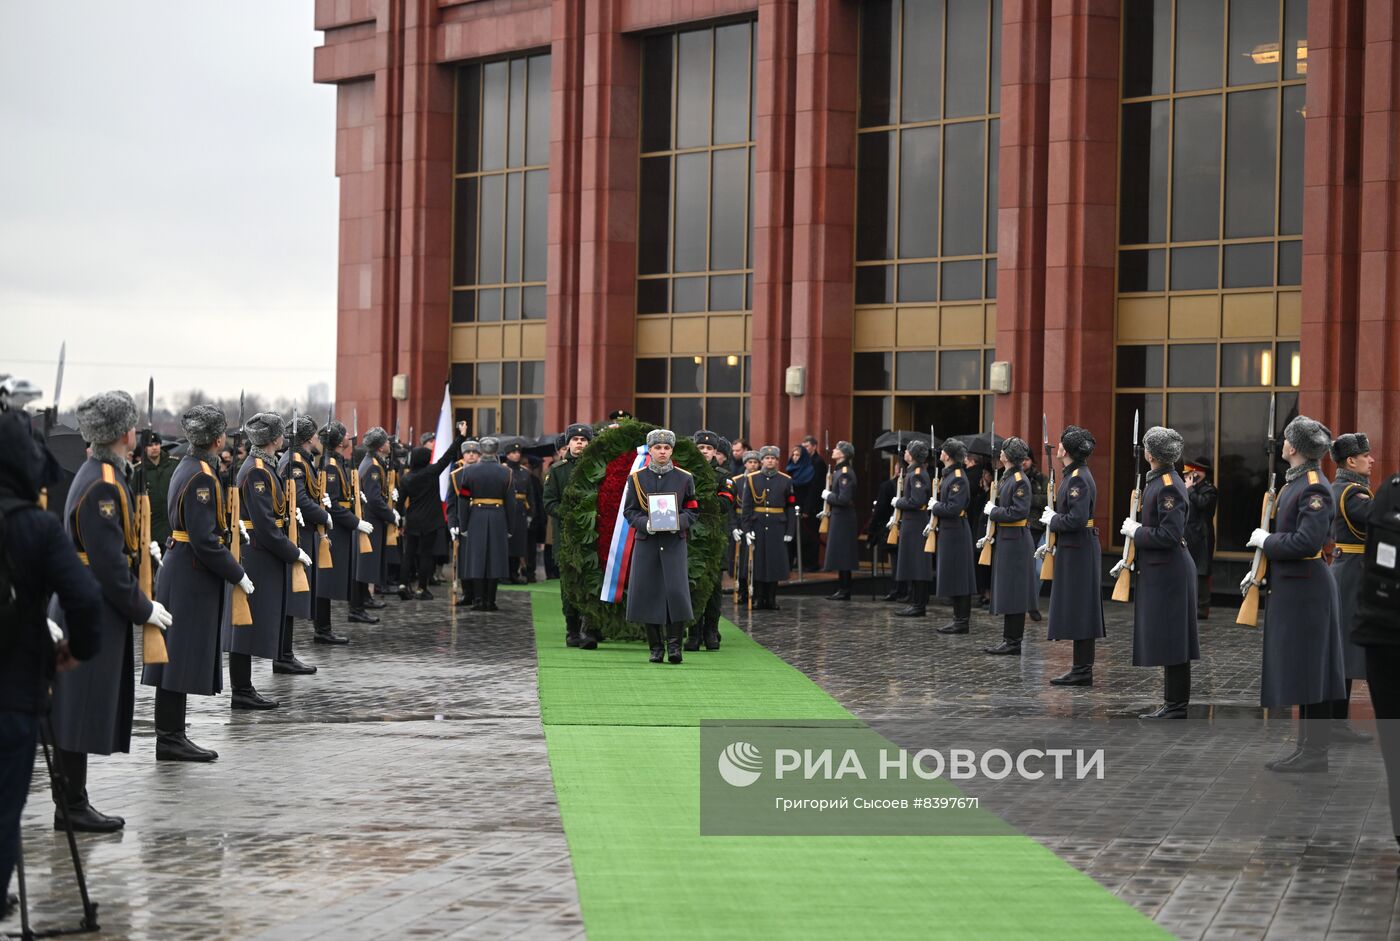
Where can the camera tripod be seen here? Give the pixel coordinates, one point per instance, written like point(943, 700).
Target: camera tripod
point(58, 784)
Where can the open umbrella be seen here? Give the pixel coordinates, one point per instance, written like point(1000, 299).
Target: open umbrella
point(981, 443)
point(896, 440)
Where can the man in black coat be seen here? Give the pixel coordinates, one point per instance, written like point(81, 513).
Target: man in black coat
point(38, 561)
point(705, 628)
point(576, 438)
point(336, 583)
point(93, 703)
point(955, 558)
point(843, 531)
point(487, 485)
point(1202, 499)
point(298, 465)
point(420, 500)
point(1164, 606)
point(658, 583)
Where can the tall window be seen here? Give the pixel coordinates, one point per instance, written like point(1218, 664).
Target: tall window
point(1209, 231)
point(499, 230)
point(926, 234)
point(694, 245)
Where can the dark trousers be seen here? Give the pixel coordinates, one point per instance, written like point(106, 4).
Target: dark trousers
point(1176, 681)
point(1084, 652)
point(240, 671)
point(1013, 627)
point(358, 592)
point(284, 646)
point(170, 711)
point(322, 619)
point(1203, 592)
point(572, 619)
point(551, 569)
point(962, 605)
point(19, 734)
point(418, 558)
point(1315, 725)
point(75, 768)
point(532, 559)
point(1383, 678)
point(1341, 708)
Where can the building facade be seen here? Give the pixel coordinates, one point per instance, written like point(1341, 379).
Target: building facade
point(1183, 207)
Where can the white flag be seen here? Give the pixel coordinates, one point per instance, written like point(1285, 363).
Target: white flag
point(444, 440)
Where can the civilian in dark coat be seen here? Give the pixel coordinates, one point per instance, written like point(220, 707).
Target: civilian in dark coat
point(1351, 491)
point(420, 496)
point(1164, 608)
point(1202, 499)
point(913, 567)
point(42, 562)
point(372, 568)
point(957, 564)
point(93, 703)
point(488, 485)
point(1013, 549)
point(1076, 593)
point(768, 508)
point(1303, 655)
point(196, 582)
point(336, 582)
point(843, 530)
point(658, 583)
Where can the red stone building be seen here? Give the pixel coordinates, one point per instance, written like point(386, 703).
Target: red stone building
point(570, 206)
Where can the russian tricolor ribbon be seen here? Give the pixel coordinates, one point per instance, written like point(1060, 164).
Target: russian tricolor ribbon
point(620, 549)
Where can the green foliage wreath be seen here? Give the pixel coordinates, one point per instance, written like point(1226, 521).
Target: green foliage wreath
point(578, 551)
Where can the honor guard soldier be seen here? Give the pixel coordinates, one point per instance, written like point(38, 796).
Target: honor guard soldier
point(842, 531)
point(1202, 499)
point(658, 586)
point(1076, 593)
point(769, 510)
point(487, 485)
point(267, 558)
point(93, 703)
point(1303, 655)
point(705, 628)
point(576, 439)
point(298, 465)
point(196, 582)
point(956, 563)
point(1014, 590)
point(336, 583)
point(458, 513)
point(1164, 610)
point(372, 568)
point(751, 463)
point(913, 567)
point(519, 513)
point(877, 531)
point(1351, 491)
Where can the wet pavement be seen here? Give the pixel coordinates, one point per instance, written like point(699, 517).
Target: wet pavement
point(405, 789)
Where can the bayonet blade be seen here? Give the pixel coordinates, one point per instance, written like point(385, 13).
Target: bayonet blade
point(151, 403)
point(355, 418)
point(1045, 431)
point(58, 379)
point(241, 394)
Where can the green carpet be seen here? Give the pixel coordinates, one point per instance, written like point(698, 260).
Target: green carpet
point(623, 743)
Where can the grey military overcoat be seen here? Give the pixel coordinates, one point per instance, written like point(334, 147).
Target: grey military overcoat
point(1013, 548)
point(1076, 592)
point(658, 583)
point(955, 555)
point(334, 583)
point(372, 567)
point(266, 557)
point(488, 485)
point(842, 533)
point(912, 563)
point(1164, 604)
point(1353, 502)
point(768, 508)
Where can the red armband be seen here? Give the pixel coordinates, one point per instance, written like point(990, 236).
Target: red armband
point(692, 505)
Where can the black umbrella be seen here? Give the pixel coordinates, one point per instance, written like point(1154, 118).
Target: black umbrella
point(981, 443)
point(896, 440)
point(506, 443)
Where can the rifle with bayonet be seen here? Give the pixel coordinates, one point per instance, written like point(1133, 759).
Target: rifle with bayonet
point(324, 560)
point(391, 486)
point(826, 507)
point(365, 544)
point(299, 582)
point(1259, 566)
point(931, 530)
point(152, 640)
point(893, 525)
point(990, 534)
point(1047, 551)
point(242, 615)
point(51, 414)
point(1123, 587)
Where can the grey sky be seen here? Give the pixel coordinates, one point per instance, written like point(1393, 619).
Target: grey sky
point(167, 196)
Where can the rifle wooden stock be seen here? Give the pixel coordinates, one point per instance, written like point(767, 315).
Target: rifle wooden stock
point(986, 557)
point(323, 545)
point(365, 544)
point(1249, 608)
point(153, 645)
point(242, 615)
point(299, 582)
point(1258, 568)
point(893, 538)
point(1123, 588)
point(931, 540)
point(391, 532)
point(152, 641)
point(826, 507)
point(1047, 562)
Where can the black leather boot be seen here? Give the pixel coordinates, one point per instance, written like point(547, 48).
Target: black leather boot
point(1167, 710)
point(291, 665)
point(571, 630)
point(695, 633)
point(491, 586)
point(712, 633)
point(362, 617)
point(1080, 675)
point(589, 639)
point(328, 636)
point(962, 616)
point(373, 603)
point(1007, 648)
point(1307, 759)
point(250, 698)
point(87, 819)
point(898, 592)
point(673, 642)
point(654, 643)
point(174, 746)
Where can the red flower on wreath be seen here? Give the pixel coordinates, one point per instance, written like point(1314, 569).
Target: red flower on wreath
point(610, 500)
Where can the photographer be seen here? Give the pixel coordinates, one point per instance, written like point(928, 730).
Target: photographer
point(36, 560)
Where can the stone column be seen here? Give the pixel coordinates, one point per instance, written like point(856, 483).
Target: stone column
point(567, 42)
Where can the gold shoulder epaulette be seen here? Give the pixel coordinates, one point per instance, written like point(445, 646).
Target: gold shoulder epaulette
point(957, 472)
point(1076, 472)
point(1018, 477)
point(684, 471)
point(257, 462)
point(1166, 480)
point(783, 474)
point(204, 468)
point(1312, 477)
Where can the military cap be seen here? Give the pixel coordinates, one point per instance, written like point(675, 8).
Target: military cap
point(489, 447)
point(724, 445)
point(1311, 438)
point(1015, 449)
point(706, 437)
point(471, 444)
point(751, 456)
point(303, 430)
point(203, 424)
point(1201, 464)
point(1350, 445)
point(769, 450)
point(331, 434)
point(263, 428)
point(149, 436)
point(512, 446)
point(578, 430)
point(619, 414)
point(1078, 442)
point(955, 449)
point(374, 439)
point(427, 436)
point(106, 416)
point(661, 436)
point(846, 448)
point(917, 449)
point(1163, 443)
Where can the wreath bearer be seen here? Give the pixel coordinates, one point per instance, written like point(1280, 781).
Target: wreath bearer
point(576, 438)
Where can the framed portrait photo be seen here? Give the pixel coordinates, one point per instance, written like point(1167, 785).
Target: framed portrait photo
point(664, 513)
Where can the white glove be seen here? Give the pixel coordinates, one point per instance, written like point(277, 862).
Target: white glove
point(455, 532)
point(55, 631)
point(302, 557)
point(326, 500)
point(1130, 527)
point(160, 617)
point(1256, 539)
point(155, 551)
point(1040, 552)
point(826, 494)
point(300, 520)
point(738, 534)
point(931, 502)
point(649, 526)
point(1246, 583)
point(243, 529)
point(365, 526)
point(893, 501)
point(1047, 516)
point(748, 537)
point(928, 527)
point(787, 539)
point(1113, 572)
point(394, 494)
point(981, 542)
point(247, 585)
point(987, 508)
